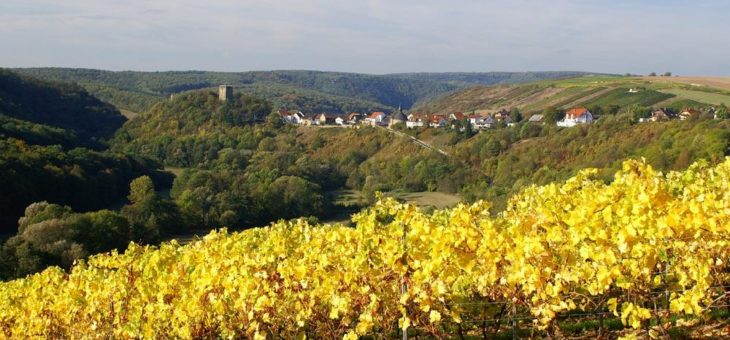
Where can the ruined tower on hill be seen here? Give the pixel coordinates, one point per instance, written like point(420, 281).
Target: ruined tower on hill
point(225, 92)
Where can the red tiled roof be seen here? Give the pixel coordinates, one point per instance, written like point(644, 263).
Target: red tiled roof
point(576, 112)
point(437, 118)
point(376, 114)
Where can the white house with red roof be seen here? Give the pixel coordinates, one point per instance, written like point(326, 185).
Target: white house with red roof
point(576, 116)
point(416, 120)
point(456, 116)
point(438, 121)
point(376, 119)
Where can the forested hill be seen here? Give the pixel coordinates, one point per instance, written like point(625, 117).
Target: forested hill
point(52, 141)
point(55, 105)
point(310, 91)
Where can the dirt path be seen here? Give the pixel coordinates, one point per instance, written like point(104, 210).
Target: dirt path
point(417, 141)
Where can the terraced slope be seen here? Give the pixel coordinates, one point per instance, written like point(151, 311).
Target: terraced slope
point(584, 91)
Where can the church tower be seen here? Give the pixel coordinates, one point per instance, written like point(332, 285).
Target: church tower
point(398, 117)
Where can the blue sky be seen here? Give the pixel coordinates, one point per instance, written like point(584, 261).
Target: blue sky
point(684, 37)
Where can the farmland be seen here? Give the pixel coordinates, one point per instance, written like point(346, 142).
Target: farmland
point(585, 91)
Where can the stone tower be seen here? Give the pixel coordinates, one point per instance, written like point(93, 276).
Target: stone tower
point(225, 92)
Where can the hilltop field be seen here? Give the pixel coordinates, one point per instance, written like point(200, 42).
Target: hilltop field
point(586, 91)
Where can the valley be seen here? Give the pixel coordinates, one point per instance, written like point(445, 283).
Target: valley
point(82, 176)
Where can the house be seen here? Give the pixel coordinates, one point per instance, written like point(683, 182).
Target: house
point(662, 114)
point(475, 121)
point(501, 115)
point(438, 121)
point(510, 122)
point(687, 113)
point(416, 120)
point(536, 119)
point(482, 122)
point(326, 119)
point(308, 119)
point(488, 122)
point(340, 120)
point(353, 117)
point(294, 118)
point(575, 116)
point(375, 119)
point(456, 116)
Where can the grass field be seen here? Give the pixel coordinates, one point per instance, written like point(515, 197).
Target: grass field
point(175, 170)
point(621, 97)
point(128, 114)
point(437, 200)
point(700, 96)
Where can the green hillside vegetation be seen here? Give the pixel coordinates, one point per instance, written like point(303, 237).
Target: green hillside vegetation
point(235, 173)
point(52, 141)
point(309, 91)
point(44, 128)
point(34, 133)
point(58, 105)
point(606, 93)
point(506, 160)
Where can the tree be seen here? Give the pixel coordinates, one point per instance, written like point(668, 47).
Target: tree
point(273, 120)
point(667, 74)
point(653, 74)
point(292, 196)
point(516, 115)
point(141, 191)
point(150, 216)
point(552, 115)
point(102, 231)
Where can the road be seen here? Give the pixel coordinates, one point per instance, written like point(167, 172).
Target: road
point(417, 141)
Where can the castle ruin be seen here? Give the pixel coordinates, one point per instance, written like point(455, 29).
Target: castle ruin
point(225, 92)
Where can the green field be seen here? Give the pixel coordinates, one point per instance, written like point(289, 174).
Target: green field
point(699, 96)
point(622, 97)
point(438, 200)
point(582, 91)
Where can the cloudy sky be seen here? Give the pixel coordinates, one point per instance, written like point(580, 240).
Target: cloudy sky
point(370, 36)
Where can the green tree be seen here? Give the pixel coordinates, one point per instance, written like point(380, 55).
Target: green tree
point(516, 115)
point(151, 217)
point(552, 115)
point(142, 191)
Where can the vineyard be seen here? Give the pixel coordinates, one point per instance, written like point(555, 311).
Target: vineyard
point(648, 249)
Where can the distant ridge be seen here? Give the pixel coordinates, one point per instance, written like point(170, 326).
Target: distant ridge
point(309, 91)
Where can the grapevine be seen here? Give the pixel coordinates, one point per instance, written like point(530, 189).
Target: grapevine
point(559, 248)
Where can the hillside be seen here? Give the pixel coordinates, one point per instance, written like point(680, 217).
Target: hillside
point(57, 105)
point(310, 91)
point(52, 141)
point(590, 91)
point(579, 259)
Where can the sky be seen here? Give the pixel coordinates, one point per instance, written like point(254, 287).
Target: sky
point(370, 36)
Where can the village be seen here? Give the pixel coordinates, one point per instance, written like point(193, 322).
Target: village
point(477, 121)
